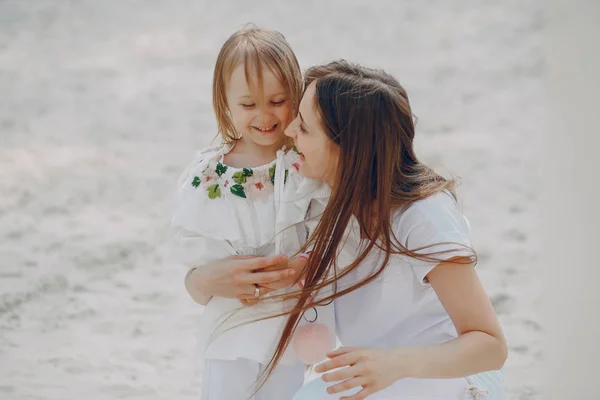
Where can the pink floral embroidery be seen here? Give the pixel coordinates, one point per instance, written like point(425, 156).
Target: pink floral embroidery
point(209, 180)
point(256, 189)
point(246, 183)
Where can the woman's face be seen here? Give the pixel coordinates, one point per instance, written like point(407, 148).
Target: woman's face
point(320, 155)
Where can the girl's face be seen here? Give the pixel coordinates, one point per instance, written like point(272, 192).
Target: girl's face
point(259, 115)
point(320, 154)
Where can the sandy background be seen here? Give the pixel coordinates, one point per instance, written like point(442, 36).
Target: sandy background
point(102, 103)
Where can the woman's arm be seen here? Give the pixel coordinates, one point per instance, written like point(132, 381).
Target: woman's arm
point(194, 289)
point(480, 345)
point(224, 276)
point(235, 277)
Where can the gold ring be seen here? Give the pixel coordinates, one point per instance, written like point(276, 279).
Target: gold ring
point(256, 291)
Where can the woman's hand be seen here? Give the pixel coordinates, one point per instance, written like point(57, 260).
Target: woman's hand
point(373, 369)
point(235, 276)
point(296, 264)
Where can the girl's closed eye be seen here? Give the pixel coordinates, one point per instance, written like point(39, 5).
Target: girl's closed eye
point(247, 105)
point(278, 103)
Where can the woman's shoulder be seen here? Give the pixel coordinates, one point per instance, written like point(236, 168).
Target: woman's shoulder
point(436, 213)
point(442, 200)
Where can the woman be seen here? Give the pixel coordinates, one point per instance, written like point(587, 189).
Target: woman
point(409, 302)
point(409, 305)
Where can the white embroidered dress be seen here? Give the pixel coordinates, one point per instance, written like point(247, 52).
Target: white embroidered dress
point(261, 211)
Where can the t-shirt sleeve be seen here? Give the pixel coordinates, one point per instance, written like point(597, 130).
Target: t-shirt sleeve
point(434, 225)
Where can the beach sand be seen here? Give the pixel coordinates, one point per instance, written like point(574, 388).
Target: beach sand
point(102, 105)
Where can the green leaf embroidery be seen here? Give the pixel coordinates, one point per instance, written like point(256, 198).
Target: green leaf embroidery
point(239, 178)
point(220, 170)
point(272, 174)
point(247, 172)
point(214, 191)
point(196, 182)
point(238, 190)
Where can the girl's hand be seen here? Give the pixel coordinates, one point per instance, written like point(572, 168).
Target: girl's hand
point(373, 369)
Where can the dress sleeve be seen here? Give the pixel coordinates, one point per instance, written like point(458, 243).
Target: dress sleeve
point(188, 244)
point(195, 250)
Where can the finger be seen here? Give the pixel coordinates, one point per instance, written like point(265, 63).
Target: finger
point(268, 277)
point(244, 302)
point(337, 362)
point(340, 351)
point(240, 257)
point(346, 385)
point(250, 293)
point(341, 374)
point(277, 267)
point(264, 262)
point(248, 302)
point(250, 290)
point(363, 394)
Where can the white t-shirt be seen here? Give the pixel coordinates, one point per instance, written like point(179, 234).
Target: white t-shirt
point(400, 308)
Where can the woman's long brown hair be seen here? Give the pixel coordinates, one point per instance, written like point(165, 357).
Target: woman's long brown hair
point(367, 114)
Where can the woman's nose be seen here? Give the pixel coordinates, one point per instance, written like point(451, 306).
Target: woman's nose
point(289, 132)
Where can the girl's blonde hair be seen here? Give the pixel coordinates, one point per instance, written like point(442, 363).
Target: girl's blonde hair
point(255, 47)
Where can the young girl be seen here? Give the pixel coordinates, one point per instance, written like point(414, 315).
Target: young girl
point(246, 198)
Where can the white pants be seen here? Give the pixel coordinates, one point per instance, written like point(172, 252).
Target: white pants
point(236, 380)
